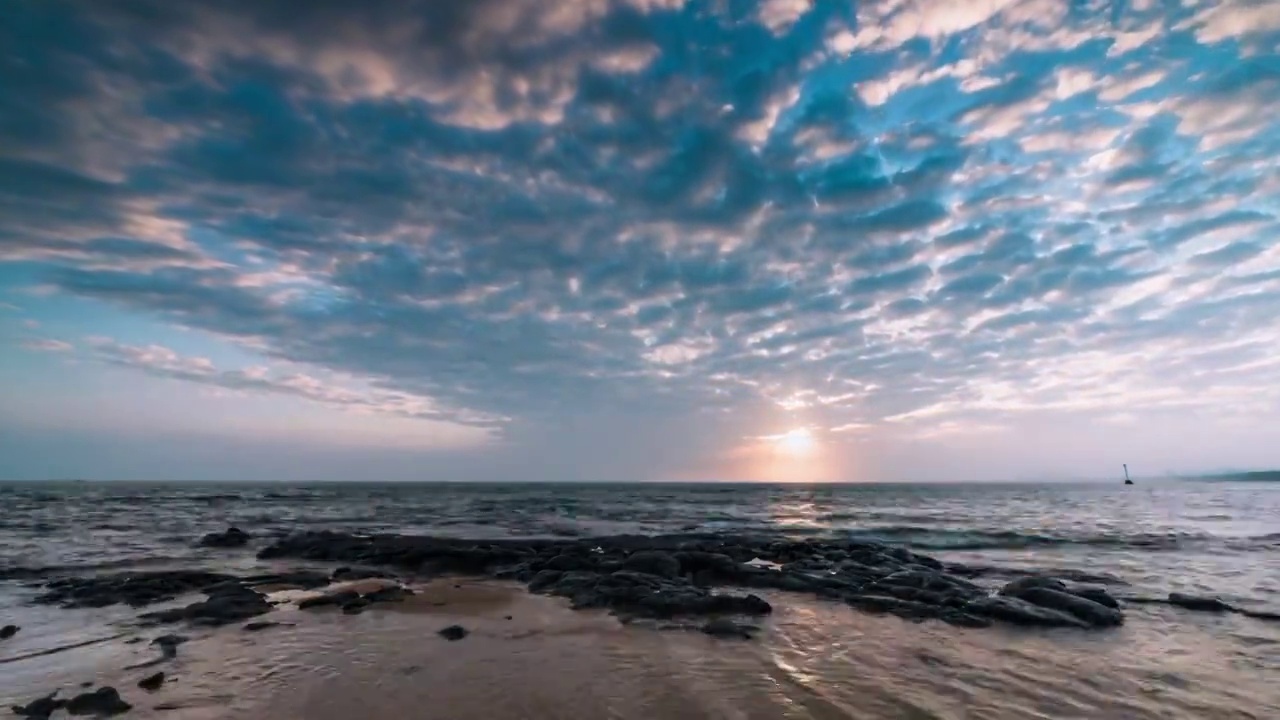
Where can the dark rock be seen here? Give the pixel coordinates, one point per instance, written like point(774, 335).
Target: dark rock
point(705, 578)
point(8, 631)
point(455, 557)
point(669, 576)
point(103, 701)
point(566, 562)
point(674, 604)
point(304, 579)
point(570, 583)
point(453, 632)
point(964, 619)
point(228, 603)
point(168, 645)
point(1087, 610)
point(718, 566)
point(906, 609)
point(346, 574)
point(923, 586)
point(152, 682)
point(817, 565)
point(1049, 592)
point(749, 604)
point(169, 641)
point(640, 594)
point(1080, 576)
point(231, 538)
point(1259, 614)
point(354, 607)
point(1020, 612)
point(228, 588)
point(653, 563)
point(1196, 602)
point(1017, 587)
point(789, 581)
point(521, 571)
point(916, 595)
point(856, 570)
point(136, 589)
point(1096, 594)
point(315, 602)
point(726, 628)
point(775, 579)
point(835, 586)
point(931, 580)
point(1067, 574)
point(40, 708)
point(544, 579)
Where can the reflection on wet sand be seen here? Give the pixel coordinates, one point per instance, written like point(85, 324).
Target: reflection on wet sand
point(529, 656)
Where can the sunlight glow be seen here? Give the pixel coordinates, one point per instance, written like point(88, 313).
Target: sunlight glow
point(796, 442)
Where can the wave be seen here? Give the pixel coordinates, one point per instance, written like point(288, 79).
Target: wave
point(1270, 541)
point(846, 516)
point(928, 538)
point(33, 572)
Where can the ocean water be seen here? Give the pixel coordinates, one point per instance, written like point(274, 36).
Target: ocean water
point(1187, 536)
point(816, 659)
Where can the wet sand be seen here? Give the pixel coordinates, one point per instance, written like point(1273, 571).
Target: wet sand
point(813, 660)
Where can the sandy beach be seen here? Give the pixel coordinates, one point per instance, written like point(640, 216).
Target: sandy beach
point(529, 656)
point(611, 626)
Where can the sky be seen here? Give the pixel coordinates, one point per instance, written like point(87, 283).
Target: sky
point(621, 240)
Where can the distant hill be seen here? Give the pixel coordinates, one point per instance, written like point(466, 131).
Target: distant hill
point(1257, 476)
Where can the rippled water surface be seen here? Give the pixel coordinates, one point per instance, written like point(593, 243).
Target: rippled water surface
point(1180, 536)
point(813, 660)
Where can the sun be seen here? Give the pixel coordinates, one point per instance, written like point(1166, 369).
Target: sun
point(796, 442)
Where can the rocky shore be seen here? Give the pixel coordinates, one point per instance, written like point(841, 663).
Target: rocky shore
point(693, 581)
point(650, 577)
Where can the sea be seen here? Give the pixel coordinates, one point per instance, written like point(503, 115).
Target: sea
point(1149, 539)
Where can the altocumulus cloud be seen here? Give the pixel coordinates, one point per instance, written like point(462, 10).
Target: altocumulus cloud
point(900, 217)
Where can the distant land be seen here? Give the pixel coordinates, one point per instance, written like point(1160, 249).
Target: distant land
point(1255, 476)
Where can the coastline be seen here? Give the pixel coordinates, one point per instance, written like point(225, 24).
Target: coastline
point(814, 657)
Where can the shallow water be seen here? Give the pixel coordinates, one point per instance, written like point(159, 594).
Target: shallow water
point(813, 659)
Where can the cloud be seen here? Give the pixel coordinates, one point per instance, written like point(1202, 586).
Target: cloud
point(977, 284)
point(163, 362)
point(780, 15)
point(47, 345)
point(483, 65)
point(891, 23)
point(1244, 219)
point(609, 214)
point(1227, 255)
point(1234, 20)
